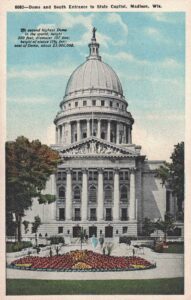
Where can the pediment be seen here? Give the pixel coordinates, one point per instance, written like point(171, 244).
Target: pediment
point(95, 147)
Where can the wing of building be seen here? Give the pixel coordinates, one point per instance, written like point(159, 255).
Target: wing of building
point(104, 184)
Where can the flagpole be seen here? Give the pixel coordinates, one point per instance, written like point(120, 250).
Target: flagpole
point(92, 123)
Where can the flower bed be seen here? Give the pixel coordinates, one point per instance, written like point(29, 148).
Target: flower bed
point(82, 261)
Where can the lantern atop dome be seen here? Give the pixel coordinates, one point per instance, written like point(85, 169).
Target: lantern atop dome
point(94, 47)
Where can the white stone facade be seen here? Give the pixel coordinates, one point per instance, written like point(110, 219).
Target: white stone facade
point(103, 184)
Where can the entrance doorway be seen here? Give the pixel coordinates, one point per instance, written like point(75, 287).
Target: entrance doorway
point(109, 232)
point(76, 231)
point(92, 231)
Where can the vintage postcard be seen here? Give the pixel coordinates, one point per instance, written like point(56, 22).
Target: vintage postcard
point(95, 117)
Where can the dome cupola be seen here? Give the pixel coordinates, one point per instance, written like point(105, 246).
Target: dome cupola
point(93, 76)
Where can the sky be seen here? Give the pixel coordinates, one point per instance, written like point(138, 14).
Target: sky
point(146, 50)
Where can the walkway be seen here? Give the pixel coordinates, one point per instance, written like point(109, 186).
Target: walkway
point(168, 266)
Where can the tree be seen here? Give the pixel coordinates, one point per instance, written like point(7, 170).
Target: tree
point(28, 167)
point(35, 226)
point(148, 227)
point(26, 225)
point(165, 225)
point(172, 174)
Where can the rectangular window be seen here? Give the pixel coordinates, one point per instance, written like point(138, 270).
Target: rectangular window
point(93, 214)
point(69, 104)
point(60, 229)
point(84, 103)
point(74, 176)
point(94, 102)
point(61, 214)
point(110, 175)
point(121, 177)
point(108, 214)
point(77, 216)
point(59, 176)
point(95, 175)
point(76, 104)
point(90, 175)
point(125, 229)
point(105, 175)
point(111, 103)
point(124, 214)
point(64, 175)
point(102, 102)
point(79, 176)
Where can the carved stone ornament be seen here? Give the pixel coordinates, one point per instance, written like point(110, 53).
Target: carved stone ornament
point(94, 147)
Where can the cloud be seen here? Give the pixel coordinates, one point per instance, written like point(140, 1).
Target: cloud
point(50, 135)
point(171, 116)
point(29, 100)
point(70, 21)
point(40, 71)
point(116, 19)
point(167, 17)
point(104, 40)
point(156, 145)
point(153, 32)
point(121, 56)
point(46, 26)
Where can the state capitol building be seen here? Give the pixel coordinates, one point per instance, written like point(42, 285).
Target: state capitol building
point(104, 184)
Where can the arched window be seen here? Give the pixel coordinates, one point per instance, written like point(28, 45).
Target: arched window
point(92, 194)
point(77, 193)
point(108, 193)
point(124, 193)
point(61, 192)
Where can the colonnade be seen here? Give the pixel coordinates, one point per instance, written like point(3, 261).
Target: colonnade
point(64, 131)
point(100, 196)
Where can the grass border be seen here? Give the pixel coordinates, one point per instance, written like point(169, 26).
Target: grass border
point(164, 286)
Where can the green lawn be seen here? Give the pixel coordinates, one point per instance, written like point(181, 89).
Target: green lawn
point(174, 248)
point(172, 286)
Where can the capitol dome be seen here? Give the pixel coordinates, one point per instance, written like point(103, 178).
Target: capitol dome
point(93, 74)
point(93, 104)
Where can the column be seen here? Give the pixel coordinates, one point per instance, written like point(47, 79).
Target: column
point(129, 135)
point(117, 134)
point(84, 201)
point(68, 204)
point(63, 133)
point(56, 135)
point(59, 134)
point(69, 133)
point(99, 128)
point(132, 200)
point(88, 128)
point(116, 196)
point(100, 200)
point(108, 130)
point(78, 131)
point(125, 134)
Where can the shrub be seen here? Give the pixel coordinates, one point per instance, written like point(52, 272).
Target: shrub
point(18, 246)
point(56, 239)
point(158, 247)
point(125, 240)
point(41, 245)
